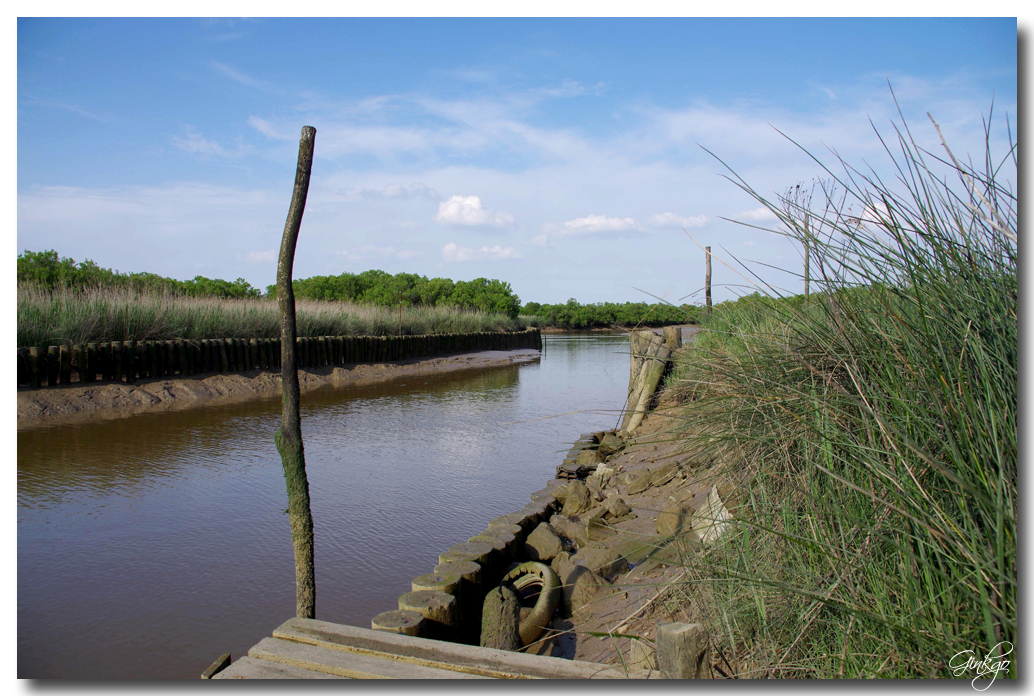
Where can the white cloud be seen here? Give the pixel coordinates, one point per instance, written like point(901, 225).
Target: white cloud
point(467, 210)
point(262, 256)
point(454, 252)
point(539, 240)
point(597, 223)
point(673, 220)
point(370, 251)
point(755, 215)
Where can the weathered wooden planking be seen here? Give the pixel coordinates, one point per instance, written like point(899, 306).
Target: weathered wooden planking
point(253, 668)
point(487, 662)
point(347, 664)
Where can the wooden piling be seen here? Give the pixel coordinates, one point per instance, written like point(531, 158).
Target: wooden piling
point(79, 361)
point(241, 348)
point(34, 368)
point(707, 279)
point(116, 360)
point(408, 623)
point(437, 608)
point(65, 356)
point(91, 362)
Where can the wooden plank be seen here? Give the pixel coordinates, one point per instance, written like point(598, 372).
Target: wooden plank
point(253, 668)
point(347, 664)
point(487, 662)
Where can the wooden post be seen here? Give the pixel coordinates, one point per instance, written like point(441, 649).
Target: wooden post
point(91, 362)
point(683, 651)
point(65, 356)
point(23, 366)
point(116, 360)
point(707, 279)
point(107, 368)
point(181, 357)
point(289, 436)
point(807, 254)
point(34, 367)
point(79, 361)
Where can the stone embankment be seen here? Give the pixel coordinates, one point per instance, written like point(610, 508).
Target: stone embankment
point(613, 528)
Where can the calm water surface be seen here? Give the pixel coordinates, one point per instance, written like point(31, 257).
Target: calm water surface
point(149, 545)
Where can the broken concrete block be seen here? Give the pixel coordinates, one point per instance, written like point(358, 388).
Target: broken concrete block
point(712, 520)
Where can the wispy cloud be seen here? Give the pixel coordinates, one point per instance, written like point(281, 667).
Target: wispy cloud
point(241, 77)
point(74, 108)
point(596, 223)
point(262, 256)
point(369, 251)
point(755, 215)
point(467, 210)
point(197, 144)
point(398, 192)
point(266, 128)
point(452, 252)
point(673, 220)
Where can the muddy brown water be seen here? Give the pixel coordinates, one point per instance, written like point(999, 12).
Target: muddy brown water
point(148, 546)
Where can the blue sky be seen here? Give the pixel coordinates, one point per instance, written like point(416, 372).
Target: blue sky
point(563, 156)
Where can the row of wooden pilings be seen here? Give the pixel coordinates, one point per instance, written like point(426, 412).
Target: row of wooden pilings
point(446, 603)
point(128, 361)
point(651, 357)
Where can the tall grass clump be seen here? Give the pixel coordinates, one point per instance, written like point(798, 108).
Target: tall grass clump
point(869, 431)
point(62, 315)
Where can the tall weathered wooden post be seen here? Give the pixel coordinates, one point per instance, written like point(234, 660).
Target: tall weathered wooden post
point(289, 437)
point(807, 254)
point(707, 279)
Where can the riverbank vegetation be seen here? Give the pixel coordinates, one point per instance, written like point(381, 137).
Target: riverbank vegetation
point(412, 290)
point(47, 270)
point(605, 315)
point(51, 317)
point(869, 432)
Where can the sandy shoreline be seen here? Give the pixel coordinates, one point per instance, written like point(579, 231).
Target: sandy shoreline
point(79, 404)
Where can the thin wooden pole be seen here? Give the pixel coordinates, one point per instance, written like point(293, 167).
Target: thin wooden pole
point(707, 279)
point(289, 437)
point(807, 255)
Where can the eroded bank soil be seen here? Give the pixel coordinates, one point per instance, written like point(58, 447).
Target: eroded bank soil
point(76, 404)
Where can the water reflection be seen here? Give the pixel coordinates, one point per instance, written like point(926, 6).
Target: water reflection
point(149, 545)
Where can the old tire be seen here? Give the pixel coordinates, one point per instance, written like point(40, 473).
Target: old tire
point(527, 575)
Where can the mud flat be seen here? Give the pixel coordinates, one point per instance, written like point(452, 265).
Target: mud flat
point(78, 404)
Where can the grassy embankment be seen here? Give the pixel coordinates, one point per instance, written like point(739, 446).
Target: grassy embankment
point(50, 317)
point(869, 433)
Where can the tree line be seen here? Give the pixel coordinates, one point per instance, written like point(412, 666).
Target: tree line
point(49, 270)
point(381, 288)
point(572, 315)
point(46, 269)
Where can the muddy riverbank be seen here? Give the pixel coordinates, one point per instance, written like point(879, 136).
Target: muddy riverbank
point(77, 404)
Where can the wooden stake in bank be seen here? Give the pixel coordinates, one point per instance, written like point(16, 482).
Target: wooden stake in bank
point(289, 437)
point(707, 279)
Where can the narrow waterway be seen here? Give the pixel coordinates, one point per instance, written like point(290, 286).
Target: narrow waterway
point(149, 545)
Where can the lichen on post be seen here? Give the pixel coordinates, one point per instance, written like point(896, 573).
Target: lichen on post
point(289, 436)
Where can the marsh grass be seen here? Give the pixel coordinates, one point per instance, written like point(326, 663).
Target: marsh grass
point(870, 432)
point(50, 317)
